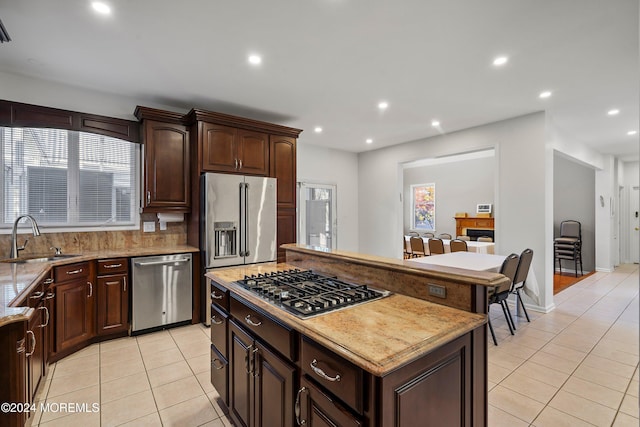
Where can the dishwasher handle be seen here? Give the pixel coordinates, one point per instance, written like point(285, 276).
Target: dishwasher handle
point(172, 261)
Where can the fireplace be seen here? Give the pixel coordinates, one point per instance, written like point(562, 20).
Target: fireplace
point(474, 233)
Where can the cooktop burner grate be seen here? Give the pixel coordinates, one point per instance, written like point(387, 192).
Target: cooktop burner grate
point(306, 294)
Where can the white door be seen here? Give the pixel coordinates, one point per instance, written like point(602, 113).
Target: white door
point(317, 220)
point(635, 227)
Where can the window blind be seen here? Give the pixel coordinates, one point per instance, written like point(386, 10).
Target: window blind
point(67, 178)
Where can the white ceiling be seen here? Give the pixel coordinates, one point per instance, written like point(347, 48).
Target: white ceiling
point(329, 62)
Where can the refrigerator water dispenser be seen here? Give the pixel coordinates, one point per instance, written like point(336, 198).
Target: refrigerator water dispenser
point(225, 239)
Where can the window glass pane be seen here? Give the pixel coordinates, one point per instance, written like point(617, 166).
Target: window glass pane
point(67, 178)
point(424, 206)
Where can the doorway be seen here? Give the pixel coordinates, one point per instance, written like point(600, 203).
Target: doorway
point(634, 248)
point(317, 219)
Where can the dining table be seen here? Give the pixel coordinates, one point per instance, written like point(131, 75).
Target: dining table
point(472, 245)
point(478, 262)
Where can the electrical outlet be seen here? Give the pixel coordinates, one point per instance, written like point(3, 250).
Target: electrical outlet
point(437, 291)
point(148, 227)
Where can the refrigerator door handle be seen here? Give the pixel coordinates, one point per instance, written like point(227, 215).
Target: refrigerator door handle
point(241, 228)
point(246, 219)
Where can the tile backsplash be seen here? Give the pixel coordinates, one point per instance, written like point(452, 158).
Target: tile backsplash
point(80, 242)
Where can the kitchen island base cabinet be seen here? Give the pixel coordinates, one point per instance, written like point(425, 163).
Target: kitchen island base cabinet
point(261, 384)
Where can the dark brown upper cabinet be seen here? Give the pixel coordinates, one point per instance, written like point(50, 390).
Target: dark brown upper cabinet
point(227, 149)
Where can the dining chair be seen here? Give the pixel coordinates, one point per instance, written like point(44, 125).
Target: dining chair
point(521, 277)
point(458, 246)
point(417, 247)
point(500, 294)
point(436, 247)
point(413, 233)
point(428, 234)
point(407, 248)
point(445, 236)
point(485, 239)
point(465, 238)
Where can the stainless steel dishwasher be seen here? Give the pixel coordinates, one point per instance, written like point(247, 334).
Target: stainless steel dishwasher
point(161, 291)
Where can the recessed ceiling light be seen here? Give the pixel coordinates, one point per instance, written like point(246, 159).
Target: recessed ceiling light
point(101, 7)
point(369, 141)
point(613, 112)
point(545, 94)
point(383, 105)
point(317, 129)
point(632, 132)
point(435, 123)
point(500, 60)
point(255, 59)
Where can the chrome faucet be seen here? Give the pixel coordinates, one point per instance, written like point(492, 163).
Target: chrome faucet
point(14, 235)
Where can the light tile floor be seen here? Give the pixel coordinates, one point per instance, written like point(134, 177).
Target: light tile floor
point(574, 366)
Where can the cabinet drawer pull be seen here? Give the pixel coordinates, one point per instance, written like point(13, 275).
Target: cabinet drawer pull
point(213, 365)
point(48, 281)
point(213, 320)
point(216, 296)
point(90, 289)
point(251, 322)
point(46, 312)
point(72, 272)
point(37, 295)
point(297, 408)
point(50, 295)
point(112, 265)
point(112, 283)
point(33, 344)
point(321, 373)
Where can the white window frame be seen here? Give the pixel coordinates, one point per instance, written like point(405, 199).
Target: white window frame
point(73, 169)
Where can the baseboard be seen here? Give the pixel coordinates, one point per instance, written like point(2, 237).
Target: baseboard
point(605, 270)
point(533, 307)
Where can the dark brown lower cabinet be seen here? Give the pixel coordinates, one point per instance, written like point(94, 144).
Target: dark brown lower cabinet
point(261, 383)
point(75, 321)
point(316, 408)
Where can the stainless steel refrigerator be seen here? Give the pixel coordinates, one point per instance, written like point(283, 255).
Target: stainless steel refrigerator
point(239, 221)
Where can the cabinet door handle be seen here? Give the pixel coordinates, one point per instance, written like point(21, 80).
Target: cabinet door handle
point(112, 265)
point(90, 289)
point(48, 281)
point(33, 344)
point(213, 320)
point(251, 322)
point(254, 354)
point(297, 408)
point(50, 295)
point(321, 373)
point(124, 281)
point(148, 197)
point(240, 164)
point(236, 163)
point(37, 295)
point(72, 272)
point(213, 365)
point(46, 313)
point(216, 296)
point(247, 360)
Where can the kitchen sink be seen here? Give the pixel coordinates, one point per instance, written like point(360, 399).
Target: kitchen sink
point(38, 259)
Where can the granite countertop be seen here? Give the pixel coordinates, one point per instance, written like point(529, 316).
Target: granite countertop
point(17, 279)
point(378, 336)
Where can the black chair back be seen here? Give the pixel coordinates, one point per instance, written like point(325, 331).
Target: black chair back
point(571, 228)
point(509, 267)
point(523, 267)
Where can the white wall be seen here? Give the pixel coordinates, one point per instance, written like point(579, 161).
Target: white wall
point(520, 201)
point(454, 191)
point(328, 166)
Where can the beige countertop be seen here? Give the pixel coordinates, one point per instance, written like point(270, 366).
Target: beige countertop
point(17, 279)
point(378, 336)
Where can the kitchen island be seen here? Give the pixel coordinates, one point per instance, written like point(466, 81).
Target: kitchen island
point(397, 361)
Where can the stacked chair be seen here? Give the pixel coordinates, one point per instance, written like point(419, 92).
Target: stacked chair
point(569, 244)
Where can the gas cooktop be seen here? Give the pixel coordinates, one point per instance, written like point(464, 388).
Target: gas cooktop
point(306, 294)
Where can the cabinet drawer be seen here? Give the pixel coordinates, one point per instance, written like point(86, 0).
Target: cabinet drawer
point(325, 366)
point(277, 335)
point(113, 266)
point(317, 408)
point(220, 374)
point(219, 296)
point(219, 322)
point(64, 273)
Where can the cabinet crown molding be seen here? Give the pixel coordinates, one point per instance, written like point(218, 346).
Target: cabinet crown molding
point(197, 115)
